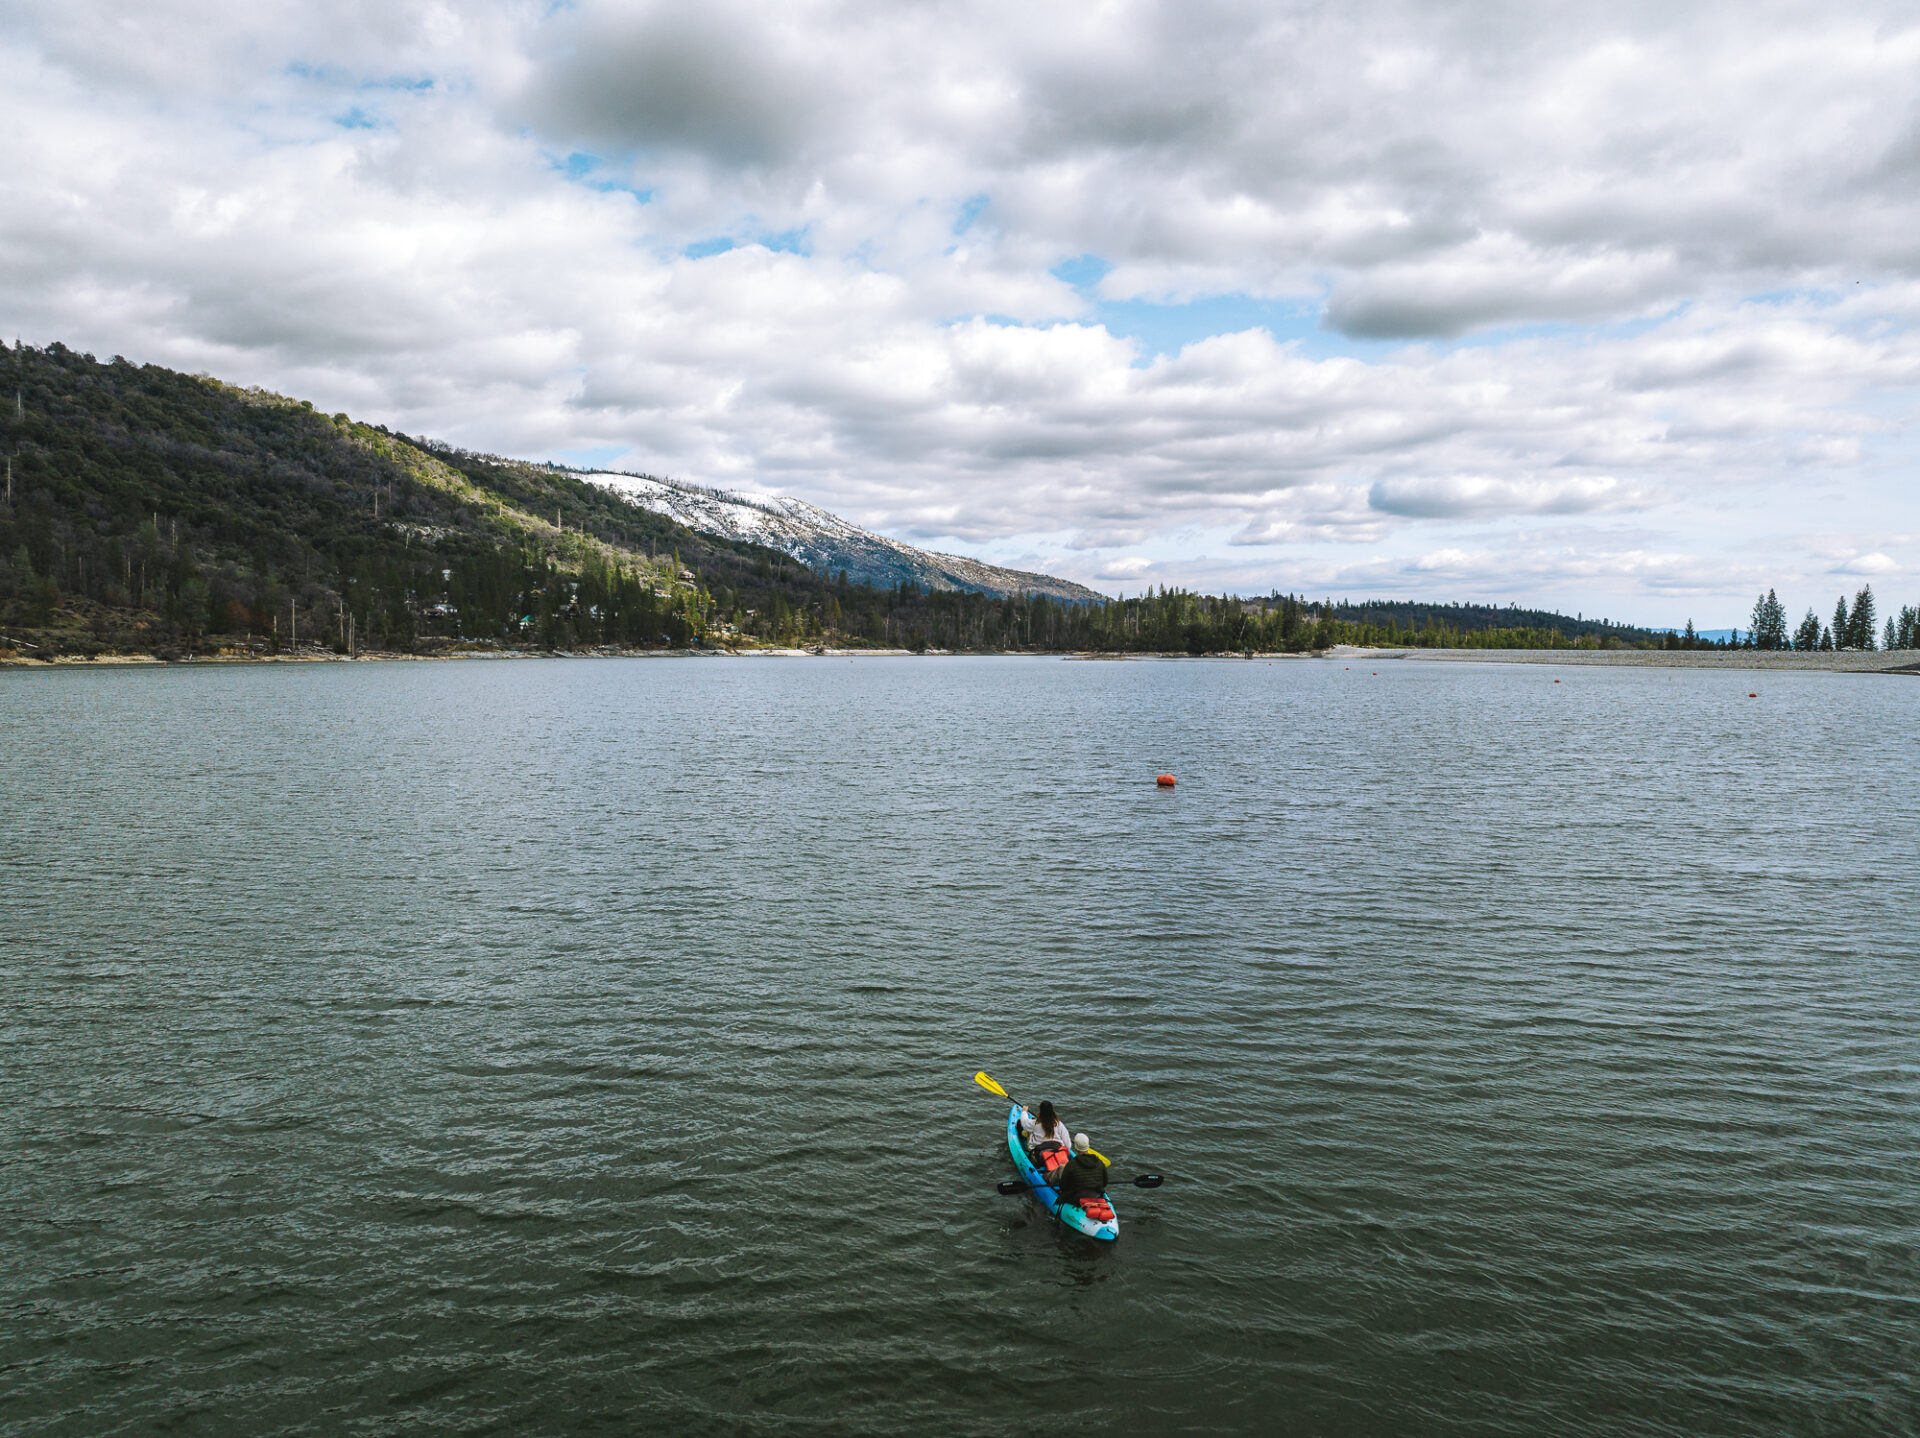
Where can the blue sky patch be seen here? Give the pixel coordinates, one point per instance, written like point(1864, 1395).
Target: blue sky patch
point(1166, 329)
point(412, 84)
point(970, 209)
point(789, 242)
point(614, 187)
point(1082, 271)
point(582, 167)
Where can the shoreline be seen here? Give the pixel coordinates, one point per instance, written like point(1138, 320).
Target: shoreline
point(1772, 661)
point(1766, 661)
point(15, 660)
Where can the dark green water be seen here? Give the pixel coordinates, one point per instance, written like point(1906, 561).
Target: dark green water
point(585, 1046)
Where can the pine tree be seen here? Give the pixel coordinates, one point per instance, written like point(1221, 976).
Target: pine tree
point(1908, 634)
point(1807, 636)
point(1842, 627)
point(1769, 622)
point(1860, 633)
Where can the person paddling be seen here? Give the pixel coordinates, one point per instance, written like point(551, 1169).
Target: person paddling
point(1047, 1132)
point(1085, 1175)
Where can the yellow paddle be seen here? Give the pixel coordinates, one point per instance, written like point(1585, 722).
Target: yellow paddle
point(991, 1087)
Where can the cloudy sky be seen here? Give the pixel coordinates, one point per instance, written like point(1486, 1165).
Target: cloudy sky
point(1607, 307)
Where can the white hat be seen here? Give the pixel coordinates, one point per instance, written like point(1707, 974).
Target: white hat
point(1080, 1144)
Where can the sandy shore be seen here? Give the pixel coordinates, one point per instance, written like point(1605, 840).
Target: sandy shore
point(1893, 661)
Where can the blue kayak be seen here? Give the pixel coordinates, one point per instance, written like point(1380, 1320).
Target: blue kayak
point(1071, 1214)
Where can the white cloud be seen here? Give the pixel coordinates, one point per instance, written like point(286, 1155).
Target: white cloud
point(1875, 563)
point(1677, 243)
point(1474, 495)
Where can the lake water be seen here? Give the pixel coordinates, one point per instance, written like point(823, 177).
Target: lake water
point(585, 1046)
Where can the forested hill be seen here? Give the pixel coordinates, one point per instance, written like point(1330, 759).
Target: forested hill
point(146, 510)
point(1414, 616)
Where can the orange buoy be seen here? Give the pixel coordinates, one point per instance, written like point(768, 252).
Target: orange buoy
point(1165, 781)
point(1753, 696)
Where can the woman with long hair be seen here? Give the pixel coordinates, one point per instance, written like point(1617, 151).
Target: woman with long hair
point(1046, 1136)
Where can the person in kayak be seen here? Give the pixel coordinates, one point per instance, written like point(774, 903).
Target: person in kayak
point(1085, 1175)
point(1046, 1137)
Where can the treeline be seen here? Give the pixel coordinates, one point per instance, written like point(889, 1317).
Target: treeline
point(1163, 621)
point(1851, 627)
point(150, 510)
point(1172, 620)
point(1415, 616)
point(154, 511)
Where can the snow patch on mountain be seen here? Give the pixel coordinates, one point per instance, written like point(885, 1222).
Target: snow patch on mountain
point(825, 541)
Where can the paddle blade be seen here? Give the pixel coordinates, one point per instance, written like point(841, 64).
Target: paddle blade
point(988, 1084)
point(1012, 1185)
point(1148, 1180)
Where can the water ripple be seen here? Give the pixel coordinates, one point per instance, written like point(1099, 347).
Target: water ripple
point(585, 1046)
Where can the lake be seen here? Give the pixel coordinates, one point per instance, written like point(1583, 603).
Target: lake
point(586, 1046)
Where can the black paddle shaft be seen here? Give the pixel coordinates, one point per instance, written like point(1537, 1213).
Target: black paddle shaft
point(1145, 1180)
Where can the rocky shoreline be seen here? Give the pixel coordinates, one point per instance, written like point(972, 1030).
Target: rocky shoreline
point(1898, 661)
point(12, 659)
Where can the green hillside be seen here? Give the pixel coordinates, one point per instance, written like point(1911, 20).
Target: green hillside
point(150, 511)
point(157, 511)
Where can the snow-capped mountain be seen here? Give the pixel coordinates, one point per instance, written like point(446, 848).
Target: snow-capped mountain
point(825, 541)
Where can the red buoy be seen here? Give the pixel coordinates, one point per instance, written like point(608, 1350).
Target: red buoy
point(1753, 696)
point(1165, 781)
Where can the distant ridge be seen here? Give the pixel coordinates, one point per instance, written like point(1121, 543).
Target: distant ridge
point(827, 543)
point(149, 512)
